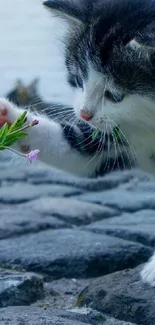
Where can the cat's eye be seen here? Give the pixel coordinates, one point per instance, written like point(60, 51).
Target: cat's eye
point(79, 82)
point(113, 97)
point(76, 81)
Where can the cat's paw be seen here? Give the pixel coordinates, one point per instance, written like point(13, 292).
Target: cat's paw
point(148, 272)
point(8, 112)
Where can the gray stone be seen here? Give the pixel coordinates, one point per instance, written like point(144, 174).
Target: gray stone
point(138, 227)
point(121, 199)
point(23, 192)
point(17, 220)
point(98, 317)
point(113, 321)
point(62, 293)
point(19, 288)
point(44, 174)
point(36, 316)
point(137, 185)
point(109, 181)
point(43, 316)
point(121, 295)
point(71, 253)
point(71, 210)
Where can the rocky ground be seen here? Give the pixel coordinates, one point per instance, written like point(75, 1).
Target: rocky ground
point(71, 249)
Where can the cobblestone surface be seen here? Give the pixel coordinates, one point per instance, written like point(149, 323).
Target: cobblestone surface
point(84, 240)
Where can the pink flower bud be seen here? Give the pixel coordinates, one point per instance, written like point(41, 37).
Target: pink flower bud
point(33, 155)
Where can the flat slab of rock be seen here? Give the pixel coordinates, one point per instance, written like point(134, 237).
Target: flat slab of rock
point(109, 181)
point(121, 295)
point(17, 220)
point(35, 316)
point(71, 253)
point(23, 192)
point(39, 316)
point(61, 293)
point(71, 210)
point(41, 174)
point(17, 289)
point(138, 227)
point(122, 199)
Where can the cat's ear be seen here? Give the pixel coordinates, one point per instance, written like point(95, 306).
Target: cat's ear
point(68, 10)
point(19, 84)
point(33, 87)
point(147, 36)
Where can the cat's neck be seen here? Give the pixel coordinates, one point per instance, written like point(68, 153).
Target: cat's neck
point(141, 143)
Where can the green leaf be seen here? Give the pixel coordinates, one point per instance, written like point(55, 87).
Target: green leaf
point(3, 133)
point(18, 123)
point(94, 134)
point(12, 138)
point(116, 132)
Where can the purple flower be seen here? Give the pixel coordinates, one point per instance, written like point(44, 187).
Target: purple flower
point(34, 122)
point(33, 155)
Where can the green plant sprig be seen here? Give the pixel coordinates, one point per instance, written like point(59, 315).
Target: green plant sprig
point(10, 135)
point(115, 130)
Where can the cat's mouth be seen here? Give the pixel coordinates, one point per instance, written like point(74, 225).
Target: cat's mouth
point(101, 123)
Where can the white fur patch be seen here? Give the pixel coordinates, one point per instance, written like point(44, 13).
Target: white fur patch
point(148, 273)
point(135, 116)
point(55, 150)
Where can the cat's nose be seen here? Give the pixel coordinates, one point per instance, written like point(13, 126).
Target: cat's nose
point(85, 115)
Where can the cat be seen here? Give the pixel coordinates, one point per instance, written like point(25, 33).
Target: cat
point(29, 97)
point(25, 95)
point(110, 61)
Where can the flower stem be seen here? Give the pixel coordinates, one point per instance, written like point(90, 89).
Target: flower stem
point(21, 129)
point(14, 151)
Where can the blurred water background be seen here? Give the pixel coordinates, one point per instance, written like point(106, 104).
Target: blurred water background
point(30, 46)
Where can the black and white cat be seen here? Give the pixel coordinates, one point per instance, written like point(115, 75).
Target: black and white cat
point(110, 61)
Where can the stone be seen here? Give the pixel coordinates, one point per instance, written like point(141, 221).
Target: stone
point(121, 295)
point(47, 316)
point(23, 192)
point(93, 314)
point(35, 316)
point(62, 293)
point(16, 220)
point(71, 210)
point(109, 181)
point(71, 253)
point(17, 289)
point(138, 227)
point(122, 200)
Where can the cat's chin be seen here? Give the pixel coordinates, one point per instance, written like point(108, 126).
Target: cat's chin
point(105, 125)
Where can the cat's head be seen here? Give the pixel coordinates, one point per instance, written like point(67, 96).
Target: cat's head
point(110, 57)
point(24, 95)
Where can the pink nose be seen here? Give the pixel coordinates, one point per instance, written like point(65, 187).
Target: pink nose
point(85, 115)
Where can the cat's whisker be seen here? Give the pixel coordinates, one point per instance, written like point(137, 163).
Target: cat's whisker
point(60, 114)
point(108, 147)
point(70, 123)
point(115, 149)
point(130, 147)
point(120, 150)
point(106, 162)
point(98, 151)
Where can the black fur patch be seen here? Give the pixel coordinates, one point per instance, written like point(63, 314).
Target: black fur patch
point(103, 38)
point(80, 138)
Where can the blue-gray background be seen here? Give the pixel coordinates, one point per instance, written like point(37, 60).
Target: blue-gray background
point(30, 46)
